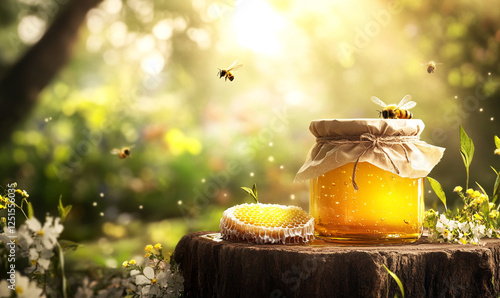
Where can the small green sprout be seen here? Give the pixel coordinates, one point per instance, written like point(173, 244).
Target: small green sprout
point(252, 192)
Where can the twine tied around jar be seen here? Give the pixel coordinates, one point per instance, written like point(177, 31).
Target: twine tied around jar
point(374, 141)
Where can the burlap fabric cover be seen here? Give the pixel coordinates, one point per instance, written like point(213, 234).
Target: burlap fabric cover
point(393, 145)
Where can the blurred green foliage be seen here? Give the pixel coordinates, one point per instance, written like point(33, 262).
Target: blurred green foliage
point(144, 75)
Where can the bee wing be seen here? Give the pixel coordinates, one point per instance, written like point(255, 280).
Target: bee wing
point(403, 101)
point(379, 102)
point(408, 105)
point(234, 66)
point(115, 151)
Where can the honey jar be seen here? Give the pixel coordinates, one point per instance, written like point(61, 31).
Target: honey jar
point(366, 179)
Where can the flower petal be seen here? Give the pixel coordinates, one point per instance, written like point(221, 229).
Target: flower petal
point(149, 272)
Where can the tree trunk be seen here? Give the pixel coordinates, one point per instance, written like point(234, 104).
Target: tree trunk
point(23, 82)
point(239, 269)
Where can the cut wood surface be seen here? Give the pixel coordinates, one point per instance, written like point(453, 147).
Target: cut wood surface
point(240, 269)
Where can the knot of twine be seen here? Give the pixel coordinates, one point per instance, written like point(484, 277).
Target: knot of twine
point(373, 141)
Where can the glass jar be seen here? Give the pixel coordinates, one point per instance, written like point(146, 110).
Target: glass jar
point(366, 179)
point(386, 208)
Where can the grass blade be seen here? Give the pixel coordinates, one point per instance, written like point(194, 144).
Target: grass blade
point(396, 278)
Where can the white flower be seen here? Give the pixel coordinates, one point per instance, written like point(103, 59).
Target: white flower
point(444, 219)
point(447, 235)
point(24, 287)
point(452, 224)
point(478, 231)
point(48, 234)
point(146, 277)
point(464, 226)
point(161, 279)
point(439, 226)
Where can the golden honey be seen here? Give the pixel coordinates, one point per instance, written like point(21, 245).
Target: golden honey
point(386, 208)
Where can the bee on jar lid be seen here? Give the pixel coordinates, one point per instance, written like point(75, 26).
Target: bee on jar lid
point(123, 152)
point(227, 73)
point(399, 111)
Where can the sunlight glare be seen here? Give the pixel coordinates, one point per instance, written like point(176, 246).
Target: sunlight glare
point(257, 26)
point(112, 6)
point(31, 29)
point(117, 34)
point(163, 30)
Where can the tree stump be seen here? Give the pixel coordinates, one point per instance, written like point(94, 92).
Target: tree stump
point(240, 269)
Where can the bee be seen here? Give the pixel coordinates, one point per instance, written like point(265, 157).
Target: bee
point(227, 73)
point(123, 152)
point(399, 111)
point(431, 66)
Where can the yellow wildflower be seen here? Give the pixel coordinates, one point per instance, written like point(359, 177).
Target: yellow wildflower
point(158, 246)
point(476, 194)
point(458, 189)
point(132, 262)
point(446, 234)
point(23, 193)
point(497, 151)
point(147, 255)
point(3, 202)
point(148, 248)
point(462, 240)
point(479, 200)
point(125, 264)
point(469, 191)
point(494, 214)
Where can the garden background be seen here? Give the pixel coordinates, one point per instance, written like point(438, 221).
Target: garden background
point(143, 73)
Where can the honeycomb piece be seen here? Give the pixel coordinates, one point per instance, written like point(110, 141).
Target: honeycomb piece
point(267, 223)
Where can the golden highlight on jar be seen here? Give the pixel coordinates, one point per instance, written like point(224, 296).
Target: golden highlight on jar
point(366, 180)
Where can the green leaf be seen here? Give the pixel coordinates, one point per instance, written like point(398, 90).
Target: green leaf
point(252, 192)
point(31, 213)
point(396, 278)
point(438, 189)
point(467, 151)
point(67, 245)
point(497, 142)
point(247, 190)
point(466, 147)
point(496, 188)
point(63, 210)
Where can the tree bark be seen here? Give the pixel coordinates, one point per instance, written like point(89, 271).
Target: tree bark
point(239, 269)
point(22, 83)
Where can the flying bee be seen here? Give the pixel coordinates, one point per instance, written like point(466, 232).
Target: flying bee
point(227, 73)
point(399, 111)
point(431, 66)
point(123, 152)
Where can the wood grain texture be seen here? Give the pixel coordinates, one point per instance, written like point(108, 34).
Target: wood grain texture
point(238, 269)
